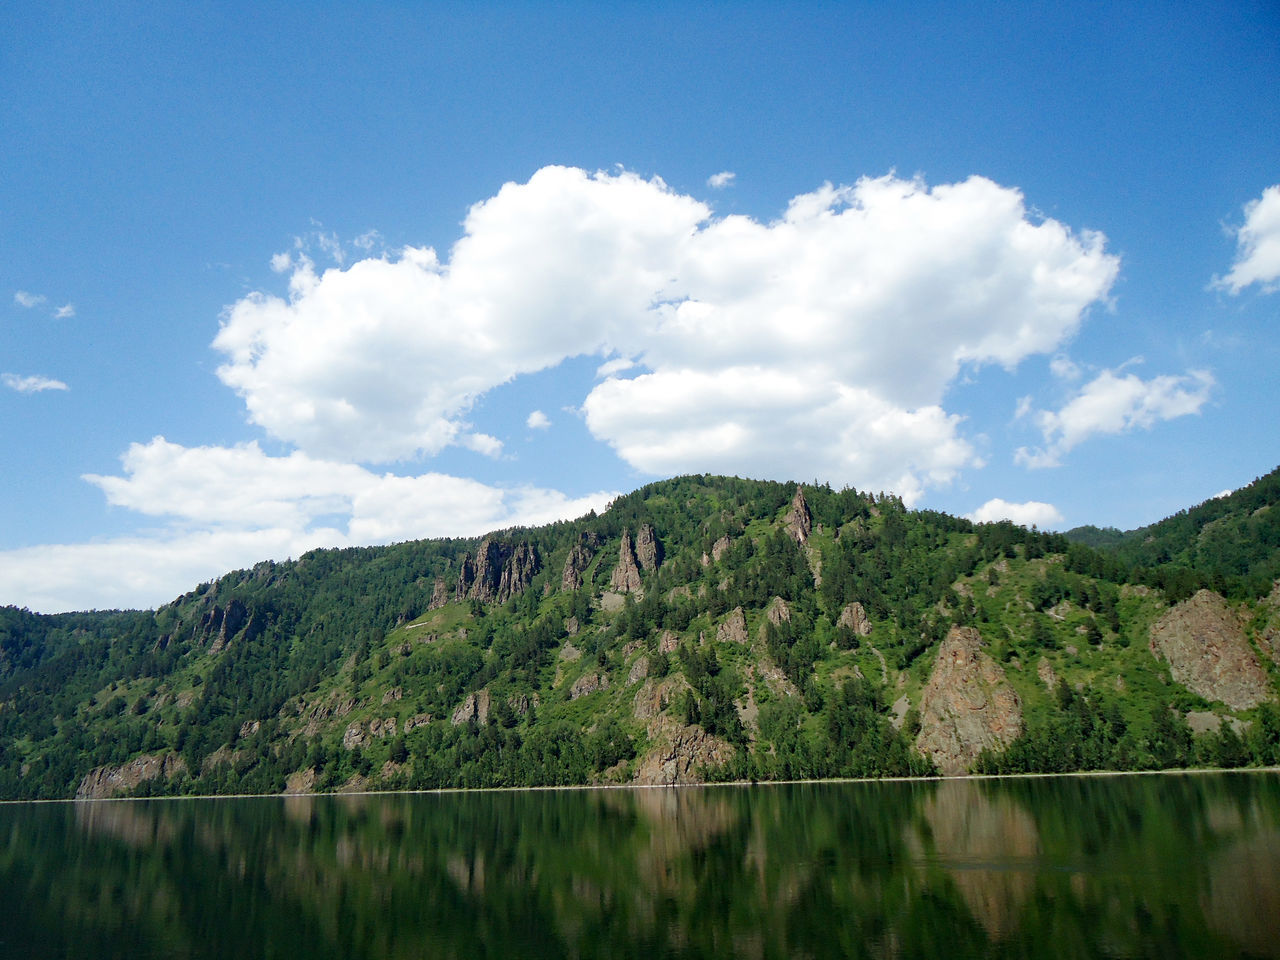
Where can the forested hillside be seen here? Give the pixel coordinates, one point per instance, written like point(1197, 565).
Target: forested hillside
point(700, 628)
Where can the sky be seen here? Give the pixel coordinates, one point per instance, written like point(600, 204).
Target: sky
point(283, 276)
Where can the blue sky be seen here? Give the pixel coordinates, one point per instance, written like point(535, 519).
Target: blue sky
point(278, 276)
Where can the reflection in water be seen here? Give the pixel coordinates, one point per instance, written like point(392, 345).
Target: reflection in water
point(1115, 866)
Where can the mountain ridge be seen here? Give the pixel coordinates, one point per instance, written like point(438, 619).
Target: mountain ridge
point(753, 630)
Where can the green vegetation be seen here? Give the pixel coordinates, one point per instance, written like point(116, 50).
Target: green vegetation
point(339, 670)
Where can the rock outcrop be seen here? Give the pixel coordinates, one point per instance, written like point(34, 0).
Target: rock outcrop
point(680, 754)
point(854, 617)
point(475, 707)
point(219, 625)
point(648, 548)
point(799, 521)
point(1208, 652)
point(588, 683)
point(576, 563)
point(967, 706)
point(497, 572)
point(626, 575)
point(734, 627)
point(439, 594)
point(103, 782)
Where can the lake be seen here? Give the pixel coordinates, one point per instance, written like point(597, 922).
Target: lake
point(1124, 866)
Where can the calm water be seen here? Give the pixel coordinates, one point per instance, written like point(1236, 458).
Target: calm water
point(1171, 866)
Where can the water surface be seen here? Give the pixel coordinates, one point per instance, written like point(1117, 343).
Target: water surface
point(1131, 866)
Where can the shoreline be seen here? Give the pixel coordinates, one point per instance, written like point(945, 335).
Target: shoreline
point(967, 777)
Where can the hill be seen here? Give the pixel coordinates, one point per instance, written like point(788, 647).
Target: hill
point(1230, 544)
point(701, 628)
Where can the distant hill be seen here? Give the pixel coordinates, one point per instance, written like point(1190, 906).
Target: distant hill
point(1230, 544)
point(700, 628)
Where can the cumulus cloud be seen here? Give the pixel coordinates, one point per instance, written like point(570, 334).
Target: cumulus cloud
point(1113, 404)
point(1258, 246)
point(31, 384)
point(65, 312)
point(718, 181)
point(537, 420)
point(24, 299)
point(1028, 514)
point(223, 508)
point(834, 331)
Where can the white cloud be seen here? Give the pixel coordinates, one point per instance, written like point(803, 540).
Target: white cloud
point(718, 181)
point(24, 299)
point(1111, 404)
point(483, 444)
point(224, 508)
point(1064, 368)
point(65, 312)
point(835, 330)
point(32, 384)
point(537, 420)
point(1258, 246)
point(1027, 514)
point(281, 262)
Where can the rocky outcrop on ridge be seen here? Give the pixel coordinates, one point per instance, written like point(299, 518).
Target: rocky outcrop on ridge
point(498, 572)
point(798, 521)
point(1208, 652)
point(967, 706)
point(439, 594)
point(576, 563)
point(218, 626)
point(103, 782)
point(626, 575)
point(648, 548)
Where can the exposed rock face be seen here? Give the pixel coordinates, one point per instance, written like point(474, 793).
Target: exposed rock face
point(779, 612)
point(103, 782)
point(417, 720)
point(639, 669)
point(498, 571)
point(680, 754)
point(1208, 652)
point(719, 548)
point(799, 521)
point(648, 548)
point(967, 705)
point(668, 642)
point(854, 617)
point(219, 625)
point(576, 563)
point(734, 628)
point(392, 695)
point(475, 707)
point(588, 683)
point(353, 736)
point(655, 696)
point(626, 575)
point(439, 595)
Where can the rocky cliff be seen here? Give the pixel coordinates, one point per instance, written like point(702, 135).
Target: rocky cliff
point(1208, 652)
point(967, 706)
point(498, 571)
point(799, 521)
point(626, 575)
